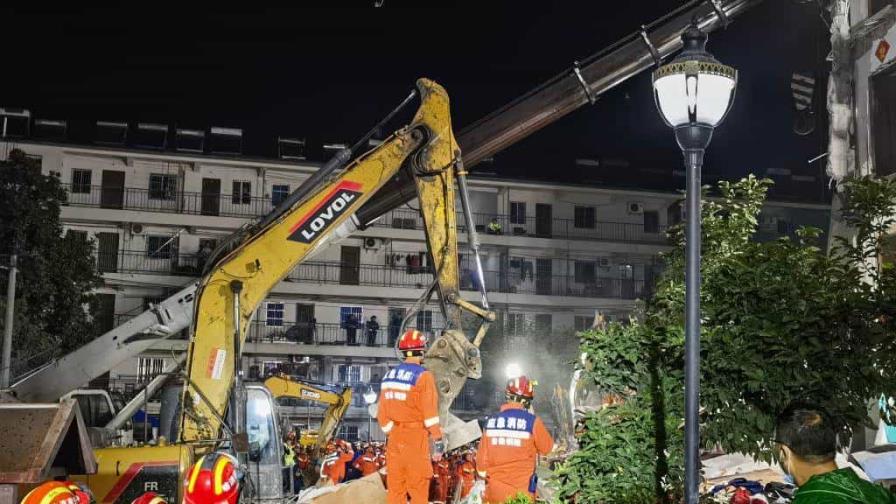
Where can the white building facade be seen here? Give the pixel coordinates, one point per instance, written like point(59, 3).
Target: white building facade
point(562, 254)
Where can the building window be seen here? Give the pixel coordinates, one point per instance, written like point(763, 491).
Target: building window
point(514, 323)
point(81, 181)
point(77, 234)
point(149, 367)
point(348, 373)
point(162, 187)
point(271, 368)
point(242, 192)
point(517, 212)
point(651, 221)
point(424, 321)
point(158, 247)
point(279, 193)
point(351, 314)
point(584, 217)
point(585, 272)
point(583, 322)
point(274, 314)
point(348, 433)
point(543, 323)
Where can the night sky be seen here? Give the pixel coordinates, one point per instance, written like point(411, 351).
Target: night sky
point(329, 74)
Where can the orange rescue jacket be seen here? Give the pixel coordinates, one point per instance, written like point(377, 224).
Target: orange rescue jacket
point(408, 397)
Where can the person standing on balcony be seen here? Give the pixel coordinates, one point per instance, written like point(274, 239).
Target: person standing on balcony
point(394, 327)
point(351, 329)
point(373, 327)
point(409, 415)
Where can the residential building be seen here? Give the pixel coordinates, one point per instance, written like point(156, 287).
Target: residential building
point(562, 254)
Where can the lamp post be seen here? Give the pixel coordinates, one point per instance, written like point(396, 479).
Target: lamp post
point(693, 93)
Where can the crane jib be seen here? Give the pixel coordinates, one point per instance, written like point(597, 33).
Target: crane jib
point(321, 217)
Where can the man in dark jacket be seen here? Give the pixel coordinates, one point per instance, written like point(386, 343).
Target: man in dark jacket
point(806, 449)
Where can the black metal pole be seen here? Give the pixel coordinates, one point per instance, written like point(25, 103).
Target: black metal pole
point(694, 160)
point(692, 139)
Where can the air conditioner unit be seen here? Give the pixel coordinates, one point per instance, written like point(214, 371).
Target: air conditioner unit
point(136, 228)
point(635, 207)
point(373, 243)
point(603, 262)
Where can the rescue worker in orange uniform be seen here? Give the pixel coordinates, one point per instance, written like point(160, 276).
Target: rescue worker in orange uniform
point(367, 463)
point(332, 468)
point(441, 480)
point(466, 473)
point(510, 446)
point(409, 415)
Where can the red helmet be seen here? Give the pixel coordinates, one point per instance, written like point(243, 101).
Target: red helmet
point(149, 498)
point(412, 340)
point(521, 386)
point(57, 492)
point(213, 479)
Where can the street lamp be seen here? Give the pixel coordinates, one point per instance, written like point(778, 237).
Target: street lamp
point(693, 93)
point(370, 397)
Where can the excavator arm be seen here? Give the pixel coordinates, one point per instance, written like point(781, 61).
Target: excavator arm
point(233, 288)
point(337, 403)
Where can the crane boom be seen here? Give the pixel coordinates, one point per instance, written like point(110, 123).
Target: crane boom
point(568, 91)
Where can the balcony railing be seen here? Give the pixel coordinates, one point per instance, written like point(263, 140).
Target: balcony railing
point(325, 333)
point(514, 281)
point(227, 205)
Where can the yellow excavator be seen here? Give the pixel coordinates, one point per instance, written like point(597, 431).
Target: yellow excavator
point(281, 385)
point(218, 410)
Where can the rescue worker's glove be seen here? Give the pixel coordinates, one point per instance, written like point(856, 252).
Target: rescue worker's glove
point(438, 450)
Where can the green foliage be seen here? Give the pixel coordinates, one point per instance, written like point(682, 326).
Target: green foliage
point(519, 498)
point(782, 320)
point(57, 273)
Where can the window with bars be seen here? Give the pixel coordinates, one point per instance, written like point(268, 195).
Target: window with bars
point(162, 186)
point(158, 247)
point(242, 192)
point(514, 323)
point(348, 373)
point(517, 212)
point(149, 367)
point(424, 321)
point(543, 323)
point(582, 322)
point(584, 217)
point(348, 433)
point(350, 314)
point(78, 234)
point(274, 315)
point(585, 272)
point(81, 181)
point(279, 192)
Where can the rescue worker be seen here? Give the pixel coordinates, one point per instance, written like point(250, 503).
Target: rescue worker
point(150, 498)
point(58, 492)
point(409, 415)
point(510, 446)
point(332, 468)
point(367, 463)
point(466, 473)
point(289, 462)
point(213, 479)
point(441, 479)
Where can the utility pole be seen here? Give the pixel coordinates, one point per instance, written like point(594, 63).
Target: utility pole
point(6, 362)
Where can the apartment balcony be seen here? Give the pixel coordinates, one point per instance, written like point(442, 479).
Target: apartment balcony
point(555, 228)
point(325, 333)
point(336, 273)
point(227, 205)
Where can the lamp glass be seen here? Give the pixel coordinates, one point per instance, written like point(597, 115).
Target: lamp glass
point(701, 97)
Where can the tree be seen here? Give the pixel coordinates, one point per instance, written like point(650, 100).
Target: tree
point(782, 320)
point(57, 274)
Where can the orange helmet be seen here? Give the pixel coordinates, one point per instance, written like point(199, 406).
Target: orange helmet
point(412, 340)
point(57, 492)
point(521, 386)
point(213, 479)
point(149, 498)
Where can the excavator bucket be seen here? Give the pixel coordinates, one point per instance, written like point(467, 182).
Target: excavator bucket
point(452, 358)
